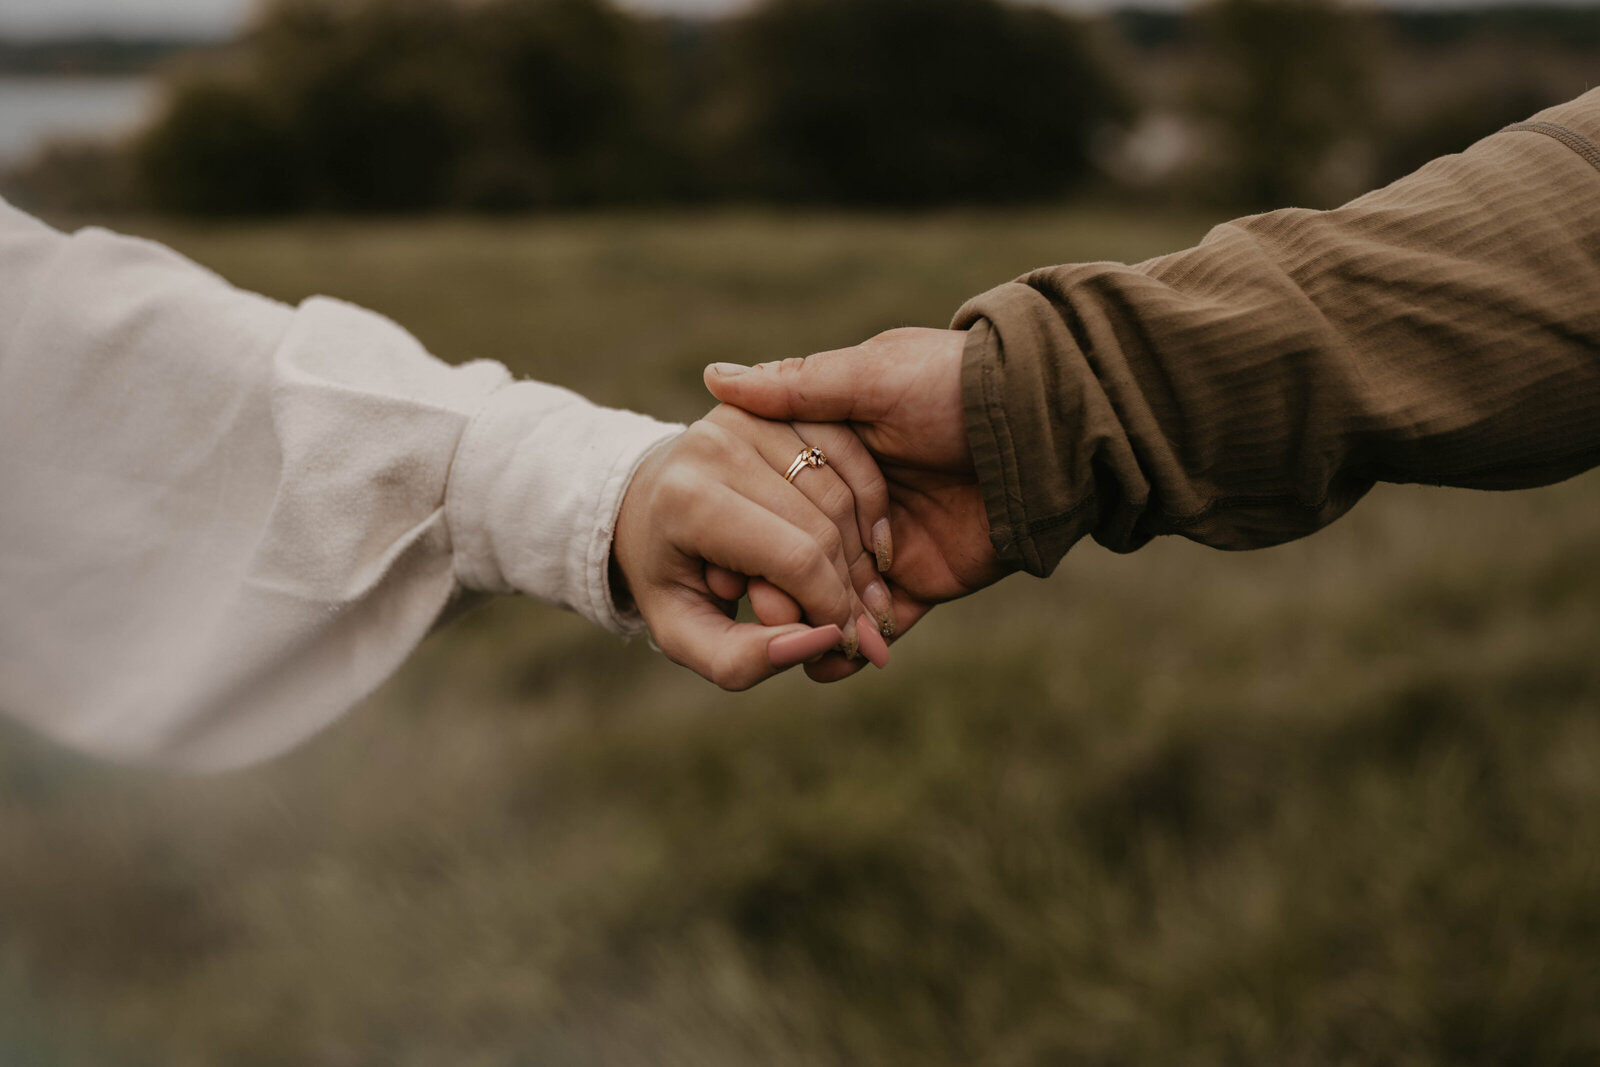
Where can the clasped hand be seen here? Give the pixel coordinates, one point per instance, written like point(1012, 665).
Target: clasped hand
point(834, 561)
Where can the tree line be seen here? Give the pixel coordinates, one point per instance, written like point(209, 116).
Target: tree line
point(409, 105)
point(402, 106)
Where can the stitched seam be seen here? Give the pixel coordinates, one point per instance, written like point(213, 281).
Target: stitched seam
point(1005, 448)
point(1028, 528)
point(1193, 518)
point(1578, 143)
point(468, 446)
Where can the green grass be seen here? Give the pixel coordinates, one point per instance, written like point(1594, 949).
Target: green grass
point(1332, 803)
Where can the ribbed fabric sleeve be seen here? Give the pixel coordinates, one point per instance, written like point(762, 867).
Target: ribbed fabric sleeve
point(1444, 329)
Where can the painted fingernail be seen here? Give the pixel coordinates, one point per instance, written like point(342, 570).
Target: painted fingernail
point(787, 650)
point(728, 370)
point(883, 545)
point(878, 601)
point(850, 643)
point(872, 645)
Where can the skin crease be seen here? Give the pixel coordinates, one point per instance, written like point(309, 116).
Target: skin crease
point(707, 507)
point(901, 393)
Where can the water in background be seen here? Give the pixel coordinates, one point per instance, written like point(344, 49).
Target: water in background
point(34, 111)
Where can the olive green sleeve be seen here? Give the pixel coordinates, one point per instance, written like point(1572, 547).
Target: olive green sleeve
point(1248, 391)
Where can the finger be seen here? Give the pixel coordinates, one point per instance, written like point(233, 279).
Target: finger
point(829, 494)
point(823, 489)
point(834, 667)
point(908, 611)
point(726, 585)
point(826, 387)
point(873, 647)
point(772, 605)
point(829, 518)
point(855, 466)
point(739, 533)
point(803, 646)
point(774, 608)
point(734, 655)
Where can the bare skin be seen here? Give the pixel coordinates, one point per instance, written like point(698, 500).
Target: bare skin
point(901, 394)
point(711, 507)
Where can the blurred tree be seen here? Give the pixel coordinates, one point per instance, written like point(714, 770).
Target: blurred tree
point(74, 176)
point(407, 105)
point(571, 99)
point(1455, 123)
point(219, 150)
point(918, 101)
point(375, 94)
point(1289, 84)
point(412, 105)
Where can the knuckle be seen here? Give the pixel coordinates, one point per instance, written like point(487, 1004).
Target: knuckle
point(837, 501)
point(720, 420)
point(710, 429)
point(790, 368)
point(703, 439)
point(677, 487)
point(801, 559)
point(830, 541)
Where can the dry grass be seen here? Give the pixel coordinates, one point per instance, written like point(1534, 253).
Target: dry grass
point(1333, 803)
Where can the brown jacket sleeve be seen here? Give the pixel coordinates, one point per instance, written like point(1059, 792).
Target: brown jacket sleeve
point(1445, 329)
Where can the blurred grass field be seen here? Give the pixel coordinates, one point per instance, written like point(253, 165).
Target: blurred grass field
point(1332, 803)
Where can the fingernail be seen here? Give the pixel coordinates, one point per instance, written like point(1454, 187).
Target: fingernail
point(850, 644)
point(883, 545)
point(872, 645)
point(878, 601)
point(787, 650)
point(728, 370)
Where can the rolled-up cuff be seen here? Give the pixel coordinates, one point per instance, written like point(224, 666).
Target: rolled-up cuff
point(533, 497)
point(1014, 403)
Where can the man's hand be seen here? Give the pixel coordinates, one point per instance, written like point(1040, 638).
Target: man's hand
point(901, 392)
point(711, 507)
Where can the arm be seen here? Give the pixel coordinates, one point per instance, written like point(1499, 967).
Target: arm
point(223, 520)
point(1250, 390)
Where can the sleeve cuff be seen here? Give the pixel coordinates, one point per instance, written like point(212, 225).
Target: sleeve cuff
point(1013, 401)
point(534, 492)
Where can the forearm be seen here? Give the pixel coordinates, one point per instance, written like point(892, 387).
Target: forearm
point(1250, 390)
point(223, 521)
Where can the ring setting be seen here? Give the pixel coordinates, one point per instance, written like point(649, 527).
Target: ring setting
point(810, 456)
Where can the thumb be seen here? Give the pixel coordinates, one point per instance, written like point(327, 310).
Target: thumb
point(826, 387)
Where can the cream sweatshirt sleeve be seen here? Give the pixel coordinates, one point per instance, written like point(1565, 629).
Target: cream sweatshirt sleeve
point(224, 521)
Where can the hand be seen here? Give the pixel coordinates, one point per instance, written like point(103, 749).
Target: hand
point(901, 393)
point(712, 506)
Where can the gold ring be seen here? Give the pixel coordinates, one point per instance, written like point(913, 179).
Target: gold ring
point(808, 457)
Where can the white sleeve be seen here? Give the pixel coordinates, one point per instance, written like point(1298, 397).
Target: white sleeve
point(223, 521)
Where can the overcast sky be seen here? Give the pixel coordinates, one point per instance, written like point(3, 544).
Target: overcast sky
point(220, 17)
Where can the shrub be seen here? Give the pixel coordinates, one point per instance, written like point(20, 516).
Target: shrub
point(920, 101)
point(220, 149)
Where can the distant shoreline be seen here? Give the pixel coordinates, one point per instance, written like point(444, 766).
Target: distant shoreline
point(93, 55)
point(38, 109)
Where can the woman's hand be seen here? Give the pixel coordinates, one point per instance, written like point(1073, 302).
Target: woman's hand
point(709, 518)
point(901, 391)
